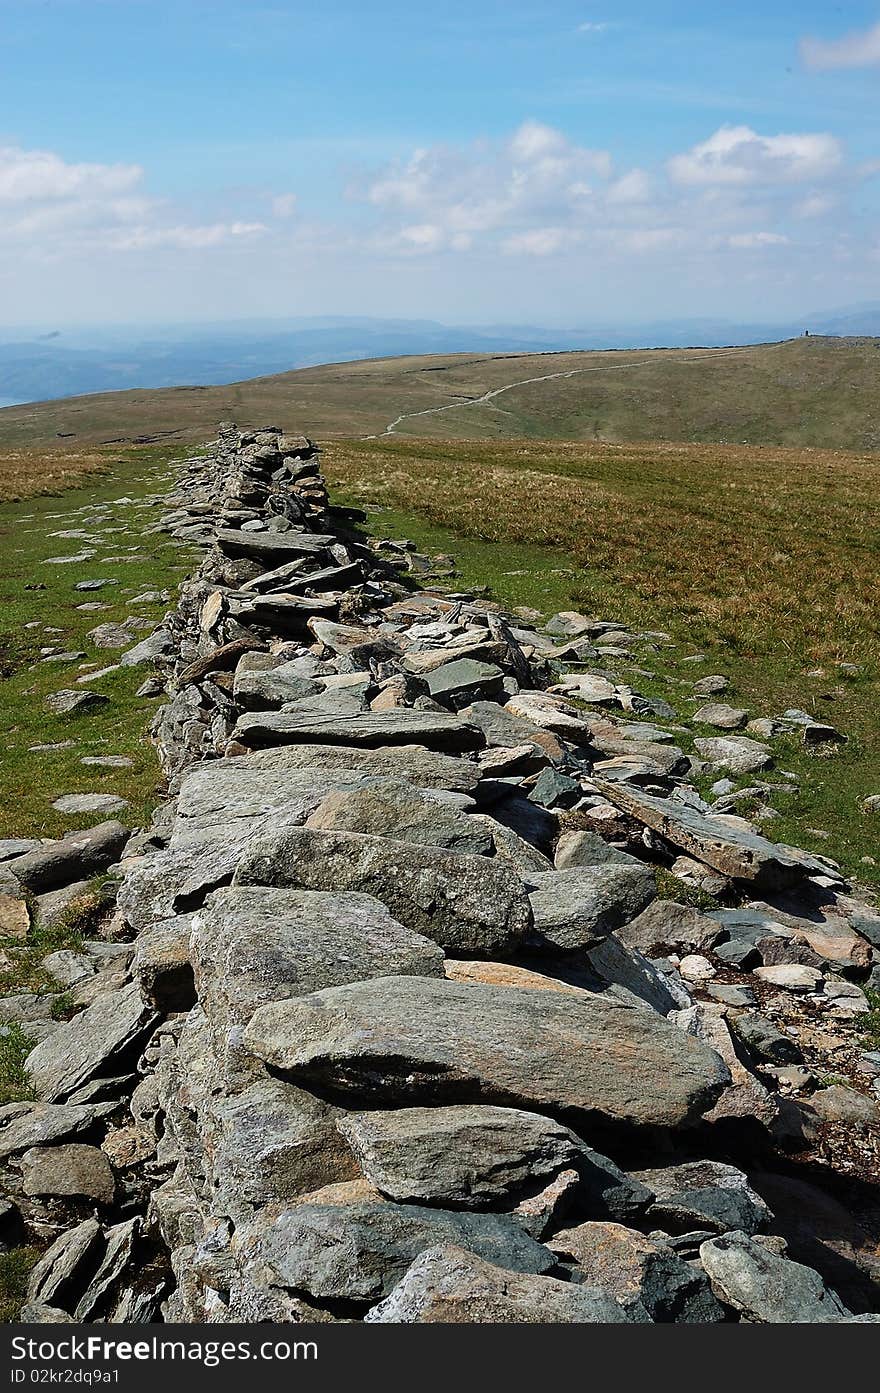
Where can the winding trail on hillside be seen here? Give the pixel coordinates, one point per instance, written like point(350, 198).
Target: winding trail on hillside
point(463, 403)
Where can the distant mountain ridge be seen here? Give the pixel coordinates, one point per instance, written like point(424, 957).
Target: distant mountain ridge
point(40, 366)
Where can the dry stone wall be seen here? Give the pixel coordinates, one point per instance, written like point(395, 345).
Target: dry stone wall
point(399, 1029)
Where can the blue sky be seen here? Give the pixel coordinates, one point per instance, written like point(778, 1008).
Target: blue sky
point(562, 163)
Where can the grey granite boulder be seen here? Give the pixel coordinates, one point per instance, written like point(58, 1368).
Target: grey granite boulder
point(578, 907)
point(357, 1252)
point(467, 904)
point(765, 1287)
point(475, 1156)
point(704, 1195)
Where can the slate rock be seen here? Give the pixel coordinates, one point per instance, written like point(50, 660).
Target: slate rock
point(765, 1287)
point(628, 968)
point(23, 1125)
point(457, 681)
point(70, 1171)
point(764, 1040)
point(449, 1286)
point(648, 1279)
point(419, 766)
point(553, 789)
point(357, 1252)
point(589, 849)
point(66, 702)
point(578, 907)
point(58, 1272)
point(704, 1195)
point(78, 803)
point(406, 1039)
point(263, 690)
point(503, 730)
point(474, 1157)
point(667, 926)
point(89, 1044)
point(731, 850)
point(467, 904)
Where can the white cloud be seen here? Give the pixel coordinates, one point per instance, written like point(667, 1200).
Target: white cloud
point(536, 182)
point(749, 240)
point(858, 49)
point(815, 205)
point(28, 176)
point(184, 238)
point(634, 187)
point(595, 27)
point(284, 205)
point(541, 241)
point(737, 155)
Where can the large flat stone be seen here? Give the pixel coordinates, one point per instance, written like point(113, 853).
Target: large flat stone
point(467, 904)
point(393, 808)
point(585, 1059)
point(274, 547)
point(419, 766)
point(403, 726)
point(23, 1125)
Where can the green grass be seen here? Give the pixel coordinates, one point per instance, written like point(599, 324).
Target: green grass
point(31, 781)
point(15, 1269)
point(15, 1046)
point(870, 1021)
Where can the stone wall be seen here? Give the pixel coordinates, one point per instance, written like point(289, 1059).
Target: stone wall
point(406, 1033)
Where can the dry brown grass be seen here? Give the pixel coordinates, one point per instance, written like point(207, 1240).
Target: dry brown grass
point(766, 549)
point(26, 473)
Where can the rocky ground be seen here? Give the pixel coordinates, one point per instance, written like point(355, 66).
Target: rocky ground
point(388, 1016)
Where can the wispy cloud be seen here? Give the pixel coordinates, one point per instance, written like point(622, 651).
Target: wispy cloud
point(750, 240)
point(595, 27)
point(860, 48)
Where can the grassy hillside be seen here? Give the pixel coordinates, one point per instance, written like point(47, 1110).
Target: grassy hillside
point(818, 392)
point(765, 561)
